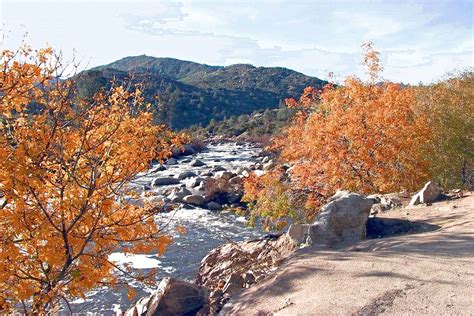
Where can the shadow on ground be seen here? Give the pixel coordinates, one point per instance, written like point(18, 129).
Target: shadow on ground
point(386, 227)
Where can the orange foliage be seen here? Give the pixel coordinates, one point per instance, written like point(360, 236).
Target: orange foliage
point(275, 200)
point(65, 165)
point(361, 136)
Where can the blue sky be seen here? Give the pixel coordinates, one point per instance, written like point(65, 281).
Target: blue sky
point(419, 40)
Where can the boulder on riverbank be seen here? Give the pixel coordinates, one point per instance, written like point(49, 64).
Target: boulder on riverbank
point(229, 268)
point(429, 194)
point(173, 297)
point(344, 218)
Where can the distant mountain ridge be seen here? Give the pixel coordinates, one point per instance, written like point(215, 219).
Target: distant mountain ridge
point(193, 94)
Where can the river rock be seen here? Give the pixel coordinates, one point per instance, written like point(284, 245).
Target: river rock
point(200, 187)
point(188, 150)
point(193, 182)
point(237, 180)
point(173, 297)
point(175, 151)
point(178, 194)
point(186, 174)
point(157, 169)
point(242, 172)
point(171, 162)
point(344, 218)
point(218, 168)
point(258, 173)
point(258, 256)
point(185, 150)
point(268, 165)
point(197, 163)
point(429, 194)
point(233, 197)
point(224, 175)
point(194, 199)
point(164, 181)
point(213, 206)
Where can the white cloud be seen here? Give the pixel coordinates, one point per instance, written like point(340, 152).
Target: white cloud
point(419, 40)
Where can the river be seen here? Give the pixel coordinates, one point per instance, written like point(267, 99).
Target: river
point(205, 231)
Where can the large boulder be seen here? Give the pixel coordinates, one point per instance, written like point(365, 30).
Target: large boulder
point(173, 297)
point(237, 259)
point(164, 181)
point(429, 194)
point(344, 218)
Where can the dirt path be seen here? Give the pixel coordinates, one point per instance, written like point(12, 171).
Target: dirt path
point(425, 273)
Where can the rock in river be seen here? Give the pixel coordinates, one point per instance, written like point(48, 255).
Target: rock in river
point(186, 174)
point(178, 194)
point(214, 206)
point(194, 200)
point(197, 163)
point(164, 181)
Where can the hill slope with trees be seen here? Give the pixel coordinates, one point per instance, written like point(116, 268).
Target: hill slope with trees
point(185, 93)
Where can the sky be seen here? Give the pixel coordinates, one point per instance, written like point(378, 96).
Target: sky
point(419, 41)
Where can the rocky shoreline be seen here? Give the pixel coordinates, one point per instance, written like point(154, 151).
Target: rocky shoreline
point(229, 269)
point(214, 184)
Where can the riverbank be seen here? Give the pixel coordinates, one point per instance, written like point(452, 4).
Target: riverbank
point(422, 273)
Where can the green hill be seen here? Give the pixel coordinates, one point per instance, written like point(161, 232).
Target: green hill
point(194, 94)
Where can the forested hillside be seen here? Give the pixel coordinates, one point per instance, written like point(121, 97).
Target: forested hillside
point(185, 93)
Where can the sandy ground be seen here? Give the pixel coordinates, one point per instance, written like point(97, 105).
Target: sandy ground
point(431, 272)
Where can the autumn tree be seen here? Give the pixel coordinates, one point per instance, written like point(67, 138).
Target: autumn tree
point(359, 136)
point(449, 106)
point(65, 165)
point(271, 197)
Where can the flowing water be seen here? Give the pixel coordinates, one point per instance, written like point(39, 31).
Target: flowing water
point(205, 231)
